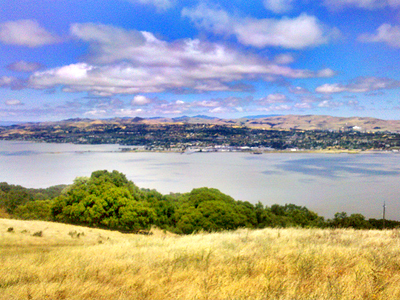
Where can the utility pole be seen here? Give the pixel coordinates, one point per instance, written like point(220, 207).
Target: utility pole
point(384, 212)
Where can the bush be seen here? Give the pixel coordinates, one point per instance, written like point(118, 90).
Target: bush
point(38, 234)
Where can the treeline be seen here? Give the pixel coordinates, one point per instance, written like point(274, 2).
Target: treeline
point(110, 200)
point(16, 200)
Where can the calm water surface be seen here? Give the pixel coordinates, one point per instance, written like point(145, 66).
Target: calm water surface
point(325, 183)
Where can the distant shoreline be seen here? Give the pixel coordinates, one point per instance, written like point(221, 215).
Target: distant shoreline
point(209, 149)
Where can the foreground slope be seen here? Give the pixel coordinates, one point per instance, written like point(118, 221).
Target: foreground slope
point(71, 262)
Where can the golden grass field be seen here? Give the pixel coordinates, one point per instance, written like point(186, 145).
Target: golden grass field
point(71, 262)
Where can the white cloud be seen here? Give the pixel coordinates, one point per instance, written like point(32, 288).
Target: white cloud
point(133, 62)
point(239, 109)
point(12, 82)
point(297, 33)
point(330, 104)
point(365, 4)
point(275, 108)
point(123, 112)
point(109, 43)
point(294, 33)
point(298, 90)
point(353, 103)
point(96, 113)
point(26, 33)
point(159, 4)
point(360, 85)
point(303, 105)
point(206, 103)
point(278, 6)
point(140, 100)
point(13, 102)
point(24, 66)
point(274, 98)
point(330, 88)
point(386, 33)
point(283, 59)
point(218, 110)
point(326, 73)
point(7, 81)
point(215, 20)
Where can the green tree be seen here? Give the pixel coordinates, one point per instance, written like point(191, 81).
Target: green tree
point(210, 210)
point(106, 199)
point(34, 210)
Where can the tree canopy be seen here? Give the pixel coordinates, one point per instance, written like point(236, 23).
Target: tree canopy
point(106, 199)
point(109, 200)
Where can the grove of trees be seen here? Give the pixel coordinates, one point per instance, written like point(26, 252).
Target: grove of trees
point(109, 200)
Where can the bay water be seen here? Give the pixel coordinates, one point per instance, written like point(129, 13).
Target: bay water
point(324, 183)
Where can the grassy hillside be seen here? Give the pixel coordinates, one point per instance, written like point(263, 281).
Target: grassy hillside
point(43, 260)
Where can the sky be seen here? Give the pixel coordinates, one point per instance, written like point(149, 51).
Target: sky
point(100, 59)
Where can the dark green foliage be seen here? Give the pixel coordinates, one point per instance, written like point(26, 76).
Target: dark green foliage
point(210, 210)
point(110, 200)
point(356, 221)
point(15, 197)
point(378, 224)
point(34, 210)
point(106, 199)
point(12, 196)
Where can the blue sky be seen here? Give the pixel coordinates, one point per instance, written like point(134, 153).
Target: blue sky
point(126, 58)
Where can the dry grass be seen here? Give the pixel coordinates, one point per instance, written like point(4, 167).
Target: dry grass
point(70, 262)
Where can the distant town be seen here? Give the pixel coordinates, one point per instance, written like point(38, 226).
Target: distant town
point(206, 135)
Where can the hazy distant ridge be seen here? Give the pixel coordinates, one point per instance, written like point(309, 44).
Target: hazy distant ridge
point(307, 122)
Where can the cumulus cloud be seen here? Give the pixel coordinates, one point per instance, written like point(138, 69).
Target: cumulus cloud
point(96, 113)
point(274, 98)
point(161, 5)
point(330, 104)
point(12, 82)
point(303, 105)
point(360, 85)
point(140, 100)
point(218, 110)
point(108, 43)
point(26, 33)
point(278, 6)
point(7, 81)
point(24, 66)
point(386, 33)
point(283, 59)
point(298, 90)
point(294, 33)
point(355, 105)
point(133, 62)
point(124, 112)
point(331, 88)
point(275, 108)
point(13, 102)
point(326, 73)
point(206, 103)
point(365, 4)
